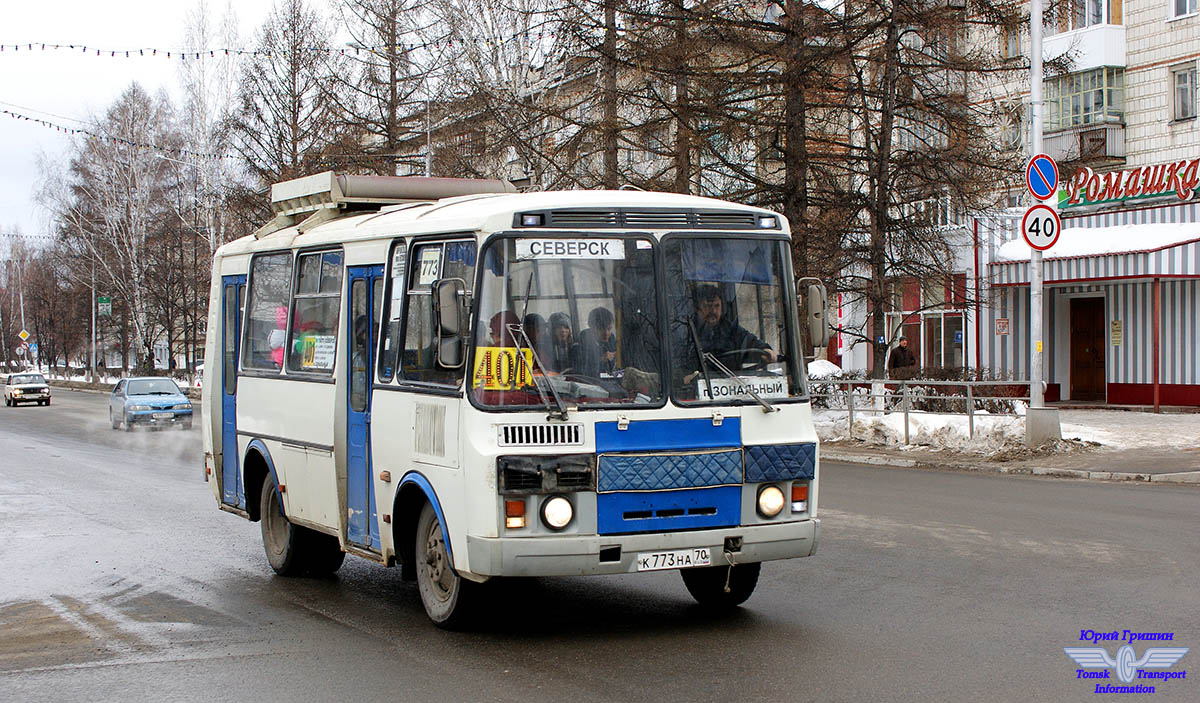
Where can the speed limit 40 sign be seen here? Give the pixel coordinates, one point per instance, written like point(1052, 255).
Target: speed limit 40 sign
point(1040, 227)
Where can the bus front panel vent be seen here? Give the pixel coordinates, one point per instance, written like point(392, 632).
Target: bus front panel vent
point(658, 219)
point(584, 218)
point(541, 435)
point(726, 219)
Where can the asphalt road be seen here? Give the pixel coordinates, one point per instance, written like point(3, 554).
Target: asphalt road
point(120, 579)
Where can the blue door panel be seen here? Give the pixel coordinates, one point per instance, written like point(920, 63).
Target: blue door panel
point(232, 491)
point(362, 519)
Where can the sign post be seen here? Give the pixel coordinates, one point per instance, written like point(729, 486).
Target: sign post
point(1041, 176)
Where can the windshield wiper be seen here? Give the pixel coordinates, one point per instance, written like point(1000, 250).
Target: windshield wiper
point(767, 407)
point(700, 355)
point(513, 330)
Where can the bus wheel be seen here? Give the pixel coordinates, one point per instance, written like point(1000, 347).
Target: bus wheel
point(282, 540)
point(707, 584)
point(445, 595)
point(324, 554)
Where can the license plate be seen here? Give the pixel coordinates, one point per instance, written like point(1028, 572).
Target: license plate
point(675, 559)
point(163, 416)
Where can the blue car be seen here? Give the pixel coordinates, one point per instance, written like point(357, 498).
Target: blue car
point(150, 402)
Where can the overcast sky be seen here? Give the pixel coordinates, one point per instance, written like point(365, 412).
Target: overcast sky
point(69, 87)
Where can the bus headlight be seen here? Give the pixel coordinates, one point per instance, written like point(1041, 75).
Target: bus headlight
point(557, 512)
point(770, 501)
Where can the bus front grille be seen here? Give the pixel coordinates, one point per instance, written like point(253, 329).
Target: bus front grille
point(539, 435)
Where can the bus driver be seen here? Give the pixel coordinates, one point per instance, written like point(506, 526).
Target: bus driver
point(718, 335)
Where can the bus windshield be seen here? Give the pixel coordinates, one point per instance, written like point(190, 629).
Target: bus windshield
point(570, 320)
point(730, 329)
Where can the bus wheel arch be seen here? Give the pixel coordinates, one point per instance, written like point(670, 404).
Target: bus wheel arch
point(256, 466)
point(414, 493)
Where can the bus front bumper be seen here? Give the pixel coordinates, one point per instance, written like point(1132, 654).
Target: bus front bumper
point(578, 555)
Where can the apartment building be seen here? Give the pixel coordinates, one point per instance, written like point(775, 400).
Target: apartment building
point(1122, 285)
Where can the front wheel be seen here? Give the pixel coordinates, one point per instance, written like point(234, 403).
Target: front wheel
point(446, 595)
point(721, 587)
point(112, 420)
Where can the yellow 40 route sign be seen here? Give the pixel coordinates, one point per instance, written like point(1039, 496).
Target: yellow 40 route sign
point(502, 368)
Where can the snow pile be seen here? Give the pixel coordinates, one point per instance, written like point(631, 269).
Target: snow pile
point(993, 433)
point(998, 434)
point(1098, 241)
point(823, 369)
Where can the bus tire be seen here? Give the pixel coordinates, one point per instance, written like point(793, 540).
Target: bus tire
point(707, 584)
point(323, 553)
point(446, 596)
point(282, 541)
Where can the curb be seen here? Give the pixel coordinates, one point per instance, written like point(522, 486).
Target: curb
point(1179, 477)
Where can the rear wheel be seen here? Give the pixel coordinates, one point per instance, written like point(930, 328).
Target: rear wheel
point(721, 586)
point(447, 597)
point(293, 550)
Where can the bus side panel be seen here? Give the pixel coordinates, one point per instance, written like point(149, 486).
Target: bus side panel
point(419, 432)
point(299, 416)
point(210, 393)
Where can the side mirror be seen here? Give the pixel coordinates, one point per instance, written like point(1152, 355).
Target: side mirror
point(450, 312)
point(814, 311)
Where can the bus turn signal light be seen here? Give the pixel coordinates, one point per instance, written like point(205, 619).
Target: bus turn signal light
point(514, 514)
point(799, 497)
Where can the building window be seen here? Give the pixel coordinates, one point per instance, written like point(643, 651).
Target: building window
point(930, 316)
point(1083, 98)
point(1183, 92)
point(1069, 15)
point(1010, 43)
point(1184, 7)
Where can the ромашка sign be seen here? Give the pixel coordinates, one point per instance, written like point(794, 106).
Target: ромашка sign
point(1087, 187)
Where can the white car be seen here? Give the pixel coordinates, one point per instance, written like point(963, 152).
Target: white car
point(26, 388)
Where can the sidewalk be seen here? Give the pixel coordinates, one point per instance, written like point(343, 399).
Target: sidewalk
point(1115, 445)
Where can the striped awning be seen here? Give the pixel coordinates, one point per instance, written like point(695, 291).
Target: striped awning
point(1161, 250)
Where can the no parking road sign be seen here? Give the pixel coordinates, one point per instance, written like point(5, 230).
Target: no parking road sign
point(1040, 226)
point(1041, 175)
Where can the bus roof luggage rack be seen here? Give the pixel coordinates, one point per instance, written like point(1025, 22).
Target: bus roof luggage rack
point(323, 196)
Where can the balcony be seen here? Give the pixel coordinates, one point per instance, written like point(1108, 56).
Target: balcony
point(1089, 47)
point(1101, 143)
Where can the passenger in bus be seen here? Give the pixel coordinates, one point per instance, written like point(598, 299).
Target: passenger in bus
point(277, 336)
point(535, 329)
point(596, 352)
point(558, 357)
point(720, 336)
point(501, 326)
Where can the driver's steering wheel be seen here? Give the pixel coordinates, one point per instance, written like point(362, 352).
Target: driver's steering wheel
point(759, 365)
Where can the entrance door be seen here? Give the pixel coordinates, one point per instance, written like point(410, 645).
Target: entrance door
point(1087, 349)
point(233, 290)
point(366, 296)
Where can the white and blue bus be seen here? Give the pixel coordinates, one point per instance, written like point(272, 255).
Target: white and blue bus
point(468, 382)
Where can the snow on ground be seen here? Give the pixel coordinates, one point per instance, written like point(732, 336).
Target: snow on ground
point(1117, 429)
point(823, 369)
point(993, 433)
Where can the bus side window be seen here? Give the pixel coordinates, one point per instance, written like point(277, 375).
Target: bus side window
point(431, 262)
point(266, 311)
point(312, 343)
point(389, 348)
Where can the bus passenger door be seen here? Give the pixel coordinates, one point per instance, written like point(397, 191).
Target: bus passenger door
point(233, 289)
point(366, 297)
